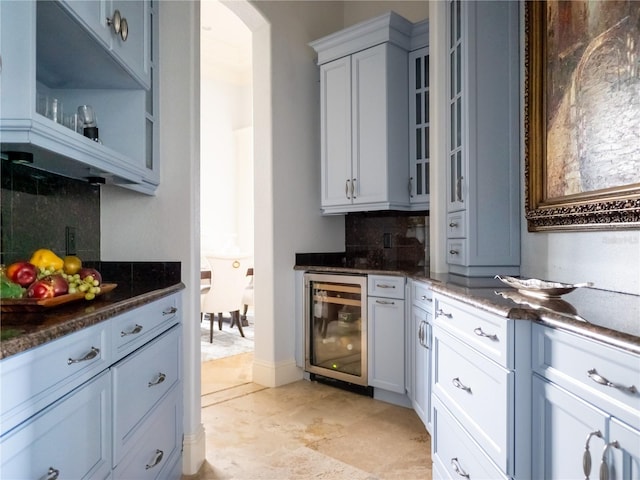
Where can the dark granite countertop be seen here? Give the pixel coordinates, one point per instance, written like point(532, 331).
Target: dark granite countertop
point(139, 283)
point(605, 316)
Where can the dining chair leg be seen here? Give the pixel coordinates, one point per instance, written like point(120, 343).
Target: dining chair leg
point(220, 321)
point(235, 320)
point(211, 317)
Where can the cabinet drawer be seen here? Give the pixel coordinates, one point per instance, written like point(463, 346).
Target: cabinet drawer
point(139, 382)
point(136, 327)
point(72, 436)
point(157, 444)
point(52, 370)
point(453, 448)
point(383, 286)
point(421, 295)
point(490, 334)
point(456, 252)
point(456, 225)
point(476, 391)
point(567, 359)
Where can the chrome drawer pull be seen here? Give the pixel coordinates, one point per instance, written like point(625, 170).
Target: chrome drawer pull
point(586, 457)
point(346, 189)
point(604, 468)
point(441, 312)
point(458, 469)
point(454, 252)
point(89, 356)
point(384, 285)
point(596, 377)
point(453, 225)
point(52, 474)
point(160, 379)
point(478, 331)
point(170, 311)
point(156, 460)
point(458, 384)
point(385, 302)
point(137, 329)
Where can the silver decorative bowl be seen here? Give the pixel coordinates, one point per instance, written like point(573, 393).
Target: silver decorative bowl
point(540, 288)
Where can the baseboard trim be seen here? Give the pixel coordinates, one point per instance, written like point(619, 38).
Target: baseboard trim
point(193, 452)
point(275, 374)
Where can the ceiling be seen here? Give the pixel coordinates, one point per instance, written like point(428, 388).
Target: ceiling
point(225, 44)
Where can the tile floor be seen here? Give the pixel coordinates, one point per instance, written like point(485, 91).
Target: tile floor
point(303, 430)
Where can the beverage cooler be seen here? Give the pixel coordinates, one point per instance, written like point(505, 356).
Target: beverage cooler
point(336, 327)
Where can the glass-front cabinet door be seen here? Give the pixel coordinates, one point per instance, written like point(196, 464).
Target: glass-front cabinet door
point(336, 327)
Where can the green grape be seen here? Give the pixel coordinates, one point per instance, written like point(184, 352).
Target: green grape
point(89, 296)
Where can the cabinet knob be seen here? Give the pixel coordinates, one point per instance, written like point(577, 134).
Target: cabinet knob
point(586, 456)
point(596, 377)
point(89, 356)
point(115, 21)
point(458, 469)
point(161, 378)
point(119, 24)
point(170, 311)
point(604, 468)
point(52, 474)
point(478, 331)
point(156, 459)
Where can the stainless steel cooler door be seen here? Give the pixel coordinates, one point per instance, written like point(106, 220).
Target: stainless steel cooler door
point(336, 326)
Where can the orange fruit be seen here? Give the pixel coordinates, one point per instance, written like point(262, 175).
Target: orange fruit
point(72, 264)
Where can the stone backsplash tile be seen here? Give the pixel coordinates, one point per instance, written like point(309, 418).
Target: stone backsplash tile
point(387, 240)
point(37, 206)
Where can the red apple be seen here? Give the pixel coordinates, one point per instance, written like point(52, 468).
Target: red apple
point(60, 285)
point(22, 273)
point(85, 272)
point(48, 287)
point(40, 289)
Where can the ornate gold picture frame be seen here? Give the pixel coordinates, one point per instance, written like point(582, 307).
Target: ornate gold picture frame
point(582, 115)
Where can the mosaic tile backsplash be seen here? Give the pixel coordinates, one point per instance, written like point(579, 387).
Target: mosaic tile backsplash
point(36, 209)
point(388, 240)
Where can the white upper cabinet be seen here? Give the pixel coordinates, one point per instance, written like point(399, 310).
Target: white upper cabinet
point(483, 144)
point(70, 52)
point(419, 119)
point(364, 116)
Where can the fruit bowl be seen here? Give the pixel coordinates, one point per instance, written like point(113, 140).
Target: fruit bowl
point(8, 305)
point(540, 288)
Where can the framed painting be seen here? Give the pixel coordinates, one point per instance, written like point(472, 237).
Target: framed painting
point(582, 115)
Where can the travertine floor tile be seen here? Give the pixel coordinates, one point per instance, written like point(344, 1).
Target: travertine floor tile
point(307, 430)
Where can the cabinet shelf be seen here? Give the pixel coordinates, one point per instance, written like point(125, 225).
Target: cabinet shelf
point(337, 300)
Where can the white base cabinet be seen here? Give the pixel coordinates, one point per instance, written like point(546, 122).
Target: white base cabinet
point(103, 402)
point(70, 439)
point(586, 408)
point(481, 391)
point(386, 333)
point(419, 345)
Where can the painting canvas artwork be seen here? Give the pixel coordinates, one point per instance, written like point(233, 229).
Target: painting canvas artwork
point(583, 114)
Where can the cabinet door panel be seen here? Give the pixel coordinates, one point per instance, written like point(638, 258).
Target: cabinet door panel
point(369, 129)
point(560, 428)
point(93, 15)
point(455, 453)
point(335, 116)
point(134, 52)
point(386, 344)
point(72, 436)
point(626, 458)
